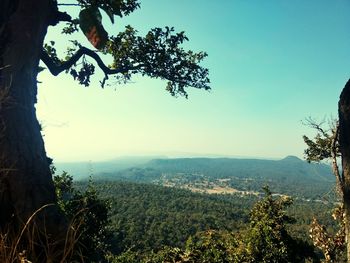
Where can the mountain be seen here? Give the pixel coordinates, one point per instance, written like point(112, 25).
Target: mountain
point(291, 175)
point(288, 168)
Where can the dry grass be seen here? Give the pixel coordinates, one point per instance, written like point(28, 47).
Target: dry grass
point(33, 245)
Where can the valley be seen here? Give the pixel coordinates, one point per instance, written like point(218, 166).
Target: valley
point(162, 203)
point(289, 176)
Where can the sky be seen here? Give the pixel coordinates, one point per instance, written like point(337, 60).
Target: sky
point(271, 63)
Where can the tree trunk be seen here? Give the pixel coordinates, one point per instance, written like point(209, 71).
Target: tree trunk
point(344, 141)
point(25, 178)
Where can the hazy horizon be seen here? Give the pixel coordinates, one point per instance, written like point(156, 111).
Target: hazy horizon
point(173, 156)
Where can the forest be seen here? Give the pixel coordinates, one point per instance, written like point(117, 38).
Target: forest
point(141, 222)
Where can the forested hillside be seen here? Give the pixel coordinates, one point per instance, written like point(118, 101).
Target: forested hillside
point(289, 176)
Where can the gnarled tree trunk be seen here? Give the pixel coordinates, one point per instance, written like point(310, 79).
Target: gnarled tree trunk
point(344, 141)
point(25, 179)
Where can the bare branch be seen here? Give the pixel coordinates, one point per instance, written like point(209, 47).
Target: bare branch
point(56, 69)
point(316, 125)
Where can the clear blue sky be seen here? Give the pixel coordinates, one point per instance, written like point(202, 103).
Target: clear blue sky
point(272, 63)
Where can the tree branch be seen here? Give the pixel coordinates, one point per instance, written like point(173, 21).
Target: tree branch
point(68, 4)
point(339, 178)
point(317, 126)
point(56, 69)
point(58, 16)
point(63, 17)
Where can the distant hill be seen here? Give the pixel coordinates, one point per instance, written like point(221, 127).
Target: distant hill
point(291, 175)
point(289, 168)
point(82, 170)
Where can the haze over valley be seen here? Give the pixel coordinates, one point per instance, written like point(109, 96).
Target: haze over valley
point(288, 176)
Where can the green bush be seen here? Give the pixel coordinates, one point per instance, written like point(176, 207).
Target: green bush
point(88, 214)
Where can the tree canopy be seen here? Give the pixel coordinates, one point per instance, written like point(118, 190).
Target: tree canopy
point(158, 54)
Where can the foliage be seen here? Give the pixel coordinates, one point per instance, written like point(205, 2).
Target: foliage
point(267, 236)
point(88, 214)
point(145, 233)
point(126, 257)
point(266, 239)
point(332, 245)
point(112, 7)
point(158, 54)
point(149, 217)
point(205, 247)
point(325, 145)
point(320, 147)
point(212, 246)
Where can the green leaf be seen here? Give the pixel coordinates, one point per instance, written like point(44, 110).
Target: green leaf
point(116, 6)
point(112, 8)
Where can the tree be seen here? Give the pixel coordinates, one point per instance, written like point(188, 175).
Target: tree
point(339, 145)
point(344, 143)
point(326, 145)
point(25, 178)
point(267, 238)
